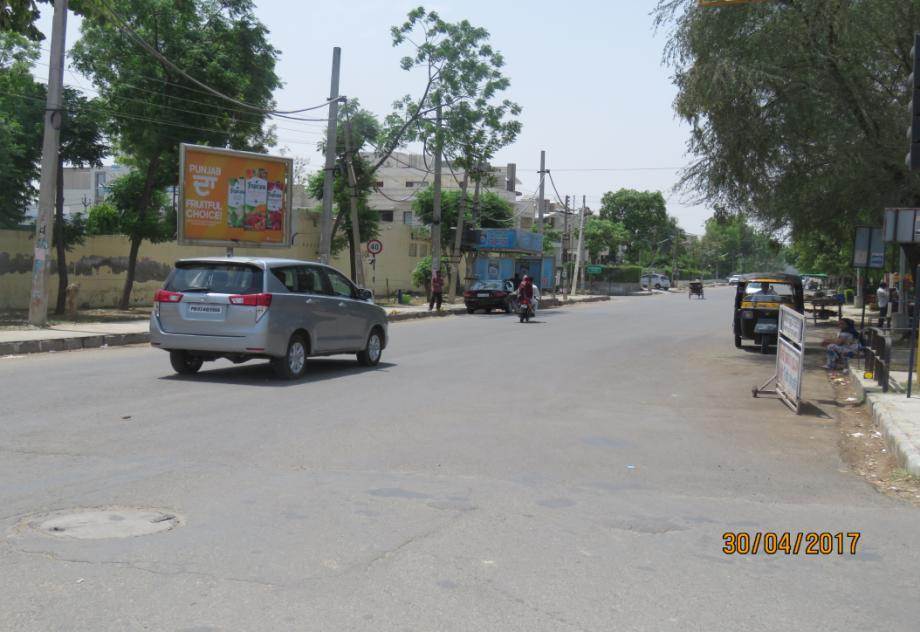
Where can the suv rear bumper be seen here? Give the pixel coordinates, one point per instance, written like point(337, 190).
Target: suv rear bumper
point(257, 343)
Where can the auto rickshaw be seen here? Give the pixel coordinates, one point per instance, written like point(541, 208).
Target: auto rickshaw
point(757, 301)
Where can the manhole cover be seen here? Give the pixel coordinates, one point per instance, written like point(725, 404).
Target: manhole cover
point(97, 524)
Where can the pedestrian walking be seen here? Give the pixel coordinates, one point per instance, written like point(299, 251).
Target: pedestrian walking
point(881, 299)
point(437, 291)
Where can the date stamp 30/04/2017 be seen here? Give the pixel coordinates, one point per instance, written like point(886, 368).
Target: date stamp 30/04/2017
point(790, 543)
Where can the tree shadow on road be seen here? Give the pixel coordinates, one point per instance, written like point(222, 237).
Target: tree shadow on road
point(261, 373)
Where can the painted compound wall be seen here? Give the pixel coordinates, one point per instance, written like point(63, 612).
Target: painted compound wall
point(99, 265)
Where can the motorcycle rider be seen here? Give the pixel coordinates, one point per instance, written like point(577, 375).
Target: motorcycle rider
point(525, 291)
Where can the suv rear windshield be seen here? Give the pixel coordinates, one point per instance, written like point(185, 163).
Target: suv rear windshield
point(222, 278)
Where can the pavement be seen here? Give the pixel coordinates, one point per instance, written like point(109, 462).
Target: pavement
point(90, 335)
point(575, 473)
point(897, 417)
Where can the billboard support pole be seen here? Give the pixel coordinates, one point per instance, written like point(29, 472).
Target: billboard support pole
point(325, 236)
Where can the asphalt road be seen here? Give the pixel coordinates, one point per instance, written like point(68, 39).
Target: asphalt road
point(576, 473)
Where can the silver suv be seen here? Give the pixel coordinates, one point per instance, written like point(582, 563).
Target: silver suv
point(285, 310)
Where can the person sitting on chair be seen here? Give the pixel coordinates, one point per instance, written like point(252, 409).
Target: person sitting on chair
point(846, 343)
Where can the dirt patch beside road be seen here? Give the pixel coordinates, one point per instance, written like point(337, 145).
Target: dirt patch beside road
point(863, 447)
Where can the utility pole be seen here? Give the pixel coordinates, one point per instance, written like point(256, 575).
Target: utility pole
point(565, 248)
point(540, 199)
point(581, 242)
point(436, 201)
point(674, 262)
point(325, 235)
point(358, 262)
point(41, 266)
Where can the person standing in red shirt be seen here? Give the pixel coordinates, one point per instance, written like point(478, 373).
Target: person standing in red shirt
point(437, 290)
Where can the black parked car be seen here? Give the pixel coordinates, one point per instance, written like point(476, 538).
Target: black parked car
point(489, 295)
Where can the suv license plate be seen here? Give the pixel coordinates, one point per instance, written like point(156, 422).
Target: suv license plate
point(483, 295)
point(204, 308)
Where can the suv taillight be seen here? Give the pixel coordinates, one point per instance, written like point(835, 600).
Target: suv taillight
point(467, 293)
point(165, 296)
point(260, 301)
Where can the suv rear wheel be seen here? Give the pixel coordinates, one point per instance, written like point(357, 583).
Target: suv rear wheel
point(293, 364)
point(184, 362)
point(372, 352)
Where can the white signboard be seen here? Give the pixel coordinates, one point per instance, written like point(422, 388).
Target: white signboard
point(792, 325)
point(790, 356)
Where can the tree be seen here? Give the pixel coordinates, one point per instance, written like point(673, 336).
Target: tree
point(82, 144)
point(603, 235)
point(22, 103)
point(365, 128)
point(221, 43)
point(421, 274)
point(495, 211)
point(797, 111)
point(732, 245)
point(644, 218)
point(457, 112)
point(102, 219)
point(19, 16)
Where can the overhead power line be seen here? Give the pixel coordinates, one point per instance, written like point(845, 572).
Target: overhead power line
point(122, 26)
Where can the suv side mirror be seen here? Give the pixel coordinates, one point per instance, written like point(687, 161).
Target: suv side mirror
point(365, 295)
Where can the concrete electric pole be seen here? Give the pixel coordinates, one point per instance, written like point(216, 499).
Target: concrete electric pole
point(41, 265)
point(436, 201)
point(358, 262)
point(540, 202)
point(578, 257)
point(565, 248)
point(325, 235)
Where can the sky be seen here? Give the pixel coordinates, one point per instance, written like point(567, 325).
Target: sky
point(588, 74)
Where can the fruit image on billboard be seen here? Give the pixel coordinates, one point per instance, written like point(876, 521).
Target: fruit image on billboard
point(232, 198)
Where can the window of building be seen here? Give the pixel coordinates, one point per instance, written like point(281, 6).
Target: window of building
point(410, 184)
point(407, 217)
point(379, 184)
point(423, 250)
point(413, 250)
point(386, 216)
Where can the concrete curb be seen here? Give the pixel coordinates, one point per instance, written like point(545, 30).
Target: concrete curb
point(905, 449)
point(549, 302)
point(73, 343)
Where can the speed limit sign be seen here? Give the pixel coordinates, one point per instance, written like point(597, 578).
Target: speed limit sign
point(375, 246)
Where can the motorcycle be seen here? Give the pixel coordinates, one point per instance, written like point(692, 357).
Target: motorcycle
point(525, 309)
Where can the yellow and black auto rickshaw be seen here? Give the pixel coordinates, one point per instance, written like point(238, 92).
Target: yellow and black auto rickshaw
point(757, 301)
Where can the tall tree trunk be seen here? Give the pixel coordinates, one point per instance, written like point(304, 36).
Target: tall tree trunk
point(142, 211)
point(59, 237)
point(458, 237)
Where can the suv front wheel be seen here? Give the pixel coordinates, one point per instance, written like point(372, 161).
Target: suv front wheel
point(293, 364)
point(370, 356)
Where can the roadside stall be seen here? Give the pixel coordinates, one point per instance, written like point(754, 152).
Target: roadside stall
point(508, 253)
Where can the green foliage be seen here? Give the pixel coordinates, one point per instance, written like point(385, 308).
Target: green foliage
point(102, 219)
point(421, 274)
point(731, 245)
point(620, 274)
point(21, 113)
point(155, 223)
point(797, 112)
point(494, 210)
point(603, 234)
point(644, 219)
point(73, 231)
point(364, 129)
point(849, 296)
point(19, 16)
point(22, 106)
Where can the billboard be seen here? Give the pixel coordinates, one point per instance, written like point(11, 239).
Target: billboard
point(508, 239)
point(868, 248)
point(234, 198)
